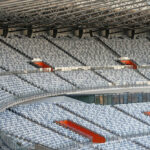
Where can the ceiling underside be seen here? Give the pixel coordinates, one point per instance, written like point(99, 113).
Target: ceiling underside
point(75, 13)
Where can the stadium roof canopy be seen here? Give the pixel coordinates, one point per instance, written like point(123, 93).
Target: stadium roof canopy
point(75, 13)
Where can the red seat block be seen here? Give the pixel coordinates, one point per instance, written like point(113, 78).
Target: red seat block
point(96, 138)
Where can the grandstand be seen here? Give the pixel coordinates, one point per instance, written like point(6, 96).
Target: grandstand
point(74, 75)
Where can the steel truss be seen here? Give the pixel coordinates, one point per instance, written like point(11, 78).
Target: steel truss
point(75, 13)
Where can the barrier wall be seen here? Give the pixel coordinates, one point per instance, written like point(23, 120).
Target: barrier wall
point(124, 98)
point(112, 99)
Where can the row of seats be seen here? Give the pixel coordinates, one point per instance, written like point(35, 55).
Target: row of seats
point(137, 110)
point(123, 76)
point(12, 142)
point(119, 145)
point(40, 48)
point(137, 49)
point(89, 51)
point(49, 81)
point(130, 131)
point(46, 114)
point(12, 60)
point(85, 79)
point(18, 86)
point(110, 118)
point(25, 129)
point(51, 54)
point(82, 79)
point(5, 98)
point(146, 72)
point(2, 146)
point(143, 141)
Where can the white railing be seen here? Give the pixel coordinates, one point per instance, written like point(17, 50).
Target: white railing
point(77, 68)
point(29, 98)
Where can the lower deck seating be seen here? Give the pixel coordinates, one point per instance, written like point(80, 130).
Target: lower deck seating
point(2, 146)
point(143, 140)
point(47, 114)
point(137, 110)
point(110, 118)
point(119, 145)
point(23, 128)
point(35, 123)
point(14, 143)
point(87, 147)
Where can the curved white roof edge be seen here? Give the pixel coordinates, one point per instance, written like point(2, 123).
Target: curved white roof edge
point(79, 92)
point(113, 90)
